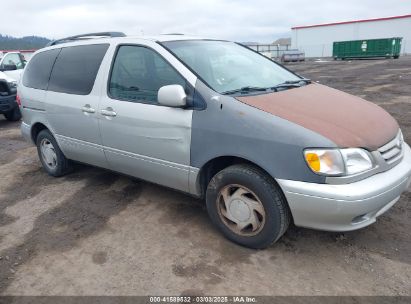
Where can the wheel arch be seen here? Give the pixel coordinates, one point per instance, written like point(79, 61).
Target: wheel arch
point(36, 129)
point(218, 163)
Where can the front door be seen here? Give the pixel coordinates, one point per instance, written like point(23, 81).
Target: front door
point(140, 137)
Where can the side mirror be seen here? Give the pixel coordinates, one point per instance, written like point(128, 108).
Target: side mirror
point(9, 67)
point(172, 96)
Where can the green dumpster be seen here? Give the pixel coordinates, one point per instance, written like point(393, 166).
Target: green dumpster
point(367, 48)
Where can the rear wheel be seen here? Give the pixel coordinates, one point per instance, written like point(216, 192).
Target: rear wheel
point(51, 157)
point(247, 206)
point(13, 115)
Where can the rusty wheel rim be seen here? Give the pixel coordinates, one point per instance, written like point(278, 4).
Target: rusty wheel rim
point(241, 210)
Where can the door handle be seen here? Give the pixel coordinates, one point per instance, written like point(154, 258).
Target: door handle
point(108, 112)
point(87, 109)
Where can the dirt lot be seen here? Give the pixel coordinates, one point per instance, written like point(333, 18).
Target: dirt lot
point(94, 232)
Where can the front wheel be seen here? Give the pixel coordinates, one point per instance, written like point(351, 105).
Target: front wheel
point(247, 206)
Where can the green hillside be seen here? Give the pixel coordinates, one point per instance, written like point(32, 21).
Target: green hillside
point(24, 43)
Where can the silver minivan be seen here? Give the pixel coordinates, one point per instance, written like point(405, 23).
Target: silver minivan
point(262, 145)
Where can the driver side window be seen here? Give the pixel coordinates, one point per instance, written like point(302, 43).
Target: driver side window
point(138, 73)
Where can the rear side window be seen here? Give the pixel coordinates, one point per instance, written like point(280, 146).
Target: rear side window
point(37, 72)
point(76, 68)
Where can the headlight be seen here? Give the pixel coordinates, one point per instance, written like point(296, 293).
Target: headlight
point(338, 161)
point(327, 162)
point(356, 160)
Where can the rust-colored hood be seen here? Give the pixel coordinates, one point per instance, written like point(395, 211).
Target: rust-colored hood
point(347, 120)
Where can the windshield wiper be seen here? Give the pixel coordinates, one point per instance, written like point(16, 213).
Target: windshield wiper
point(291, 84)
point(306, 80)
point(286, 84)
point(244, 90)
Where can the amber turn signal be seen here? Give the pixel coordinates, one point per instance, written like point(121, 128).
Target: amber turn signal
point(313, 161)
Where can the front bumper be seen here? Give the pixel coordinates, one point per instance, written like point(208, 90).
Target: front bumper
point(7, 103)
point(351, 206)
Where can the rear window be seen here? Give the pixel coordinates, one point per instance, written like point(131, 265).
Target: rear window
point(76, 68)
point(37, 72)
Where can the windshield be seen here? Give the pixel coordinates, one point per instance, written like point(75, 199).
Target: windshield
point(226, 66)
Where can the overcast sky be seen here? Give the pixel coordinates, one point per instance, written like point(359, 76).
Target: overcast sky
point(242, 20)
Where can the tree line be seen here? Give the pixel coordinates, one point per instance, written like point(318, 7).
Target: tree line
point(23, 43)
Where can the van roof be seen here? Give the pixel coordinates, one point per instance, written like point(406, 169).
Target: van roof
point(154, 38)
point(119, 35)
point(171, 37)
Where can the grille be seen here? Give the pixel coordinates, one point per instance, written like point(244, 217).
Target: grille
point(392, 151)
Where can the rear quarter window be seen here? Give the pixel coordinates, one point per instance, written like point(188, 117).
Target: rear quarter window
point(37, 72)
point(75, 69)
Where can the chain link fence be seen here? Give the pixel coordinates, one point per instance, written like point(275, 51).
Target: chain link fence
point(274, 51)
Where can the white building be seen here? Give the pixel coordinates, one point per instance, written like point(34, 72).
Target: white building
point(317, 40)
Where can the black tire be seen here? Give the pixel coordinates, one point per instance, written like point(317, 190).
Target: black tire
point(13, 115)
point(62, 164)
point(277, 213)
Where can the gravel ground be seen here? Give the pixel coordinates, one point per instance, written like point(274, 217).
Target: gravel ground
point(95, 232)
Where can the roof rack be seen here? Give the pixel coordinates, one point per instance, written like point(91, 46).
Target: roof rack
point(86, 36)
